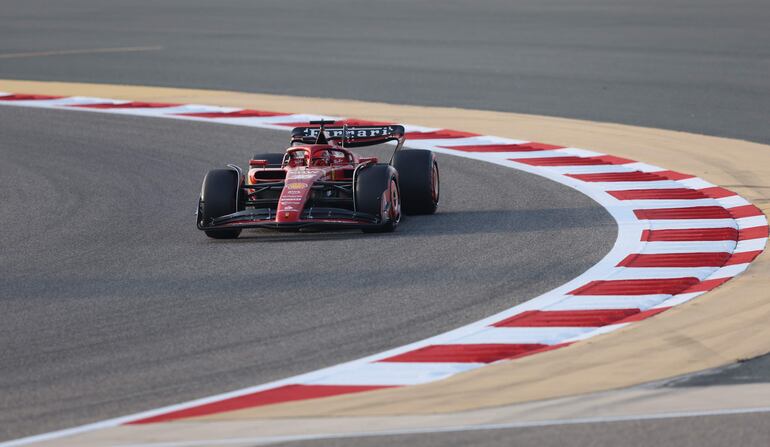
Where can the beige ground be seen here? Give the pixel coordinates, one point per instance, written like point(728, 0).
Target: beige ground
point(716, 329)
point(629, 403)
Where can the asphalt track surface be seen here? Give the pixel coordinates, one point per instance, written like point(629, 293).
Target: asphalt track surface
point(708, 431)
point(113, 302)
point(751, 371)
point(691, 65)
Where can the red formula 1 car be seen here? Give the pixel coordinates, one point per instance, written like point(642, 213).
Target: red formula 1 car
point(317, 183)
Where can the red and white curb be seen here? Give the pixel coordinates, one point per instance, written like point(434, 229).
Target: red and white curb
point(679, 236)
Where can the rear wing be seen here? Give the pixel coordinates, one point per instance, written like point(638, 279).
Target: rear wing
point(348, 136)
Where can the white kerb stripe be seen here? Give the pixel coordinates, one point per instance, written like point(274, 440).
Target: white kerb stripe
point(651, 204)
point(590, 302)
point(659, 247)
point(751, 245)
point(729, 271)
point(679, 299)
point(393, 373)
point(522, 335)
point(602, 330)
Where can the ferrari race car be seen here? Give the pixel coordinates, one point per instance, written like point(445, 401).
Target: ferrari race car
point(317, 183)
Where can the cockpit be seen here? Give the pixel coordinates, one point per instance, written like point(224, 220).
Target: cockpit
point(317, 156)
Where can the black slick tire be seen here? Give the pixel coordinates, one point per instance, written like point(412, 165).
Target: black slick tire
point(219, 198)
point(419, 180)
point(372, 183)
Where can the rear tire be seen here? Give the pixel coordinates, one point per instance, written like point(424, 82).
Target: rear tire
point(219, 198)
point(375, 184)
point(419, 176)
point(273, 160)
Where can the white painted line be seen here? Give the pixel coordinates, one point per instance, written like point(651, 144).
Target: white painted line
point(51, 103)
point(78, 51)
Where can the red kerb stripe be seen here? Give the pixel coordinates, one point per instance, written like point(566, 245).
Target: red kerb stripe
point(127, 105)
point(705, 286)
point(286, 393)
point(566, 318)
point(691, 234)
point(23, 97)
point(533, 146)
point(439, 134)
point(696, 212)
point(717, 192)
point(246, 113)
point(644, 315)
point(635, 176)
point(573, 161)
point(753, 233)
point(673, 175)
point(744, 257)
point(663, 286)
point(461, 353)
point(745, 211)
point(706, 259)
point(657, 194)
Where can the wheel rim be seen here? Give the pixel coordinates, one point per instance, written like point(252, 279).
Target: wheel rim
point(435, 183)
point(395, 202)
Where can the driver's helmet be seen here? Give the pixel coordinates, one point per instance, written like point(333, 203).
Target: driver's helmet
point(338, 157)
point(322, 158)
point(297, 158)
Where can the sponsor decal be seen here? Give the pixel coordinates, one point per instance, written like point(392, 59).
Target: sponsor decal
point(296, 185)
point(353, 132)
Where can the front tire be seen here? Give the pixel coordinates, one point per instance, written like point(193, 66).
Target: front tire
point(377, 192)
point(219, 197)
point(419, 175)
